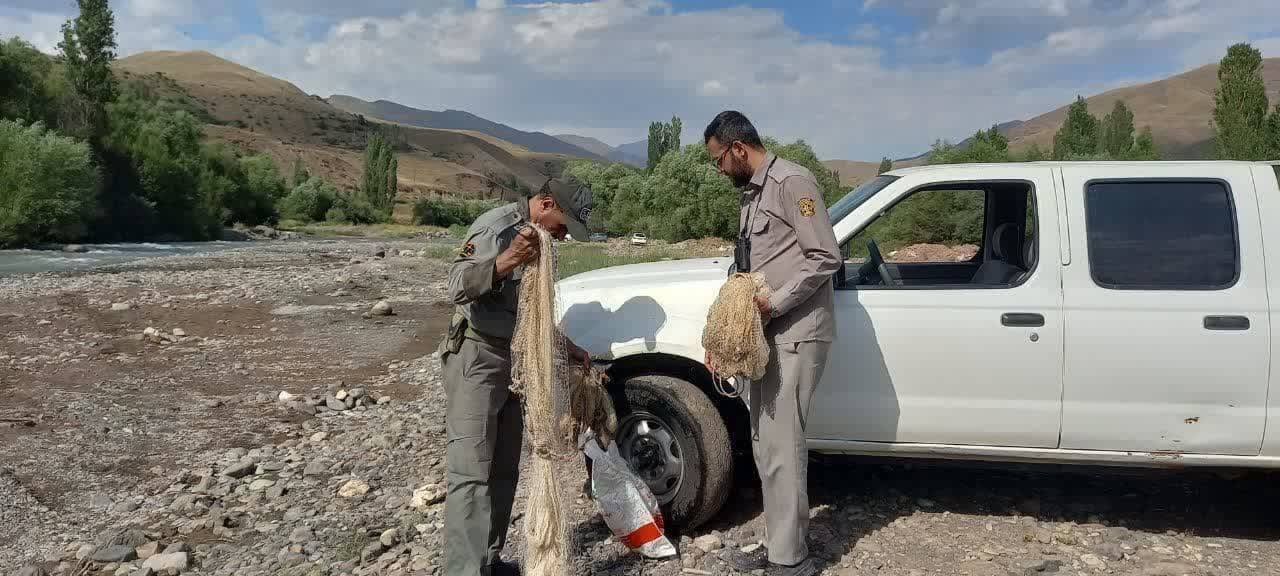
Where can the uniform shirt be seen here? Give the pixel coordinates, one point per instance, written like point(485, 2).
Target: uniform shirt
point(488, 303)
point(793, 245)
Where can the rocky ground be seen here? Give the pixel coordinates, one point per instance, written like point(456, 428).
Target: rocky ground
point(272, 422)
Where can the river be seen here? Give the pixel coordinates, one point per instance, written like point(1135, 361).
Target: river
point(28, 261)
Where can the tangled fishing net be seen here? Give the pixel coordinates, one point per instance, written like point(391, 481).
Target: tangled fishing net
point(734, 333)
point(561, 400)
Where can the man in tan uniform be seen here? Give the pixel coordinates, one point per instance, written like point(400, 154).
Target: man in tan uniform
point(483, 421)
point(785, 235)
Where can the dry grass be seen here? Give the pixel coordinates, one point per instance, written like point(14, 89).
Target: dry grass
point(327, 229)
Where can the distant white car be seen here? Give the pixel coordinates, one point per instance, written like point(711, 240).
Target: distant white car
point(1120, 313)
point(639, 239)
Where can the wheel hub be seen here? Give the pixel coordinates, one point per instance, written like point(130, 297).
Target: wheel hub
point(653, 453)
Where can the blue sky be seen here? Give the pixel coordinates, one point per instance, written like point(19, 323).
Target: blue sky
point(858, 79)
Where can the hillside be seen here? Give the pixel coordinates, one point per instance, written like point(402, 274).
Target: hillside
point(1179, 110)
point(852, 172)
point(257, 112)
point(626, 153)
point(459, 120)
point(587, 143)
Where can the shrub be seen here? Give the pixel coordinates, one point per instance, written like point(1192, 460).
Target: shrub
point(310, 201)
point(353, 209)
point(447, 212)
point(48, 185)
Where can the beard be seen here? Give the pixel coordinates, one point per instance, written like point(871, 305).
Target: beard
point(739, 173)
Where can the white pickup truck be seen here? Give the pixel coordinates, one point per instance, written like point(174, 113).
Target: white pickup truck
point(1100, 313)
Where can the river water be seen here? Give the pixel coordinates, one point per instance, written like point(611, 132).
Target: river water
point(27, 261)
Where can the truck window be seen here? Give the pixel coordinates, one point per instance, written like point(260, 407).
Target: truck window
point(1161, 235)
point(955, 235)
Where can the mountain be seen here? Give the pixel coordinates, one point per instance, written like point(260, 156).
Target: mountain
point(587, 143)
point(635, 153)
point(1179, 110)
point(853, 172)
point(259, 113)
point(459, 120)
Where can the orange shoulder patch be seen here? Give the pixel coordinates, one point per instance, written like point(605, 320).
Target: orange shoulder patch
point(806, 207)
point(468, 250)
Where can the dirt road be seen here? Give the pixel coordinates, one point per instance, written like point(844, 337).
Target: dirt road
point(120, 450)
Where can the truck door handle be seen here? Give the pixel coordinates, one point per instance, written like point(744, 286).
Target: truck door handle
point(1022, 320)
point(1226, 322)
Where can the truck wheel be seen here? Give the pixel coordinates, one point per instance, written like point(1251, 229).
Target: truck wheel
point(675, 440)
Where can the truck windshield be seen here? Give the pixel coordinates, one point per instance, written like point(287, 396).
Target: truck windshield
point(854, 199)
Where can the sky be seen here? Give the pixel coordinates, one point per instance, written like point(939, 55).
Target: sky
point(856, 79)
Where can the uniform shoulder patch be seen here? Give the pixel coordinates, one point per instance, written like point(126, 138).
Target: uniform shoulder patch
point(806, 207)
point(468, 250)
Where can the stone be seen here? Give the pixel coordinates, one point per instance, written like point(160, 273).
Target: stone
point(356, 393)
point(1111, 551)
point(319, 436)
point(302, 535)
point(125, 507)
point(271, 466)
point(286, 397)
point(1169, 569)
point(428, 495)
point(380, 252)
point(148, 550)
point(101, 502)
point(384, 400)
point(335, 404)
point(176, 547)
point(1042, 566)
point(121, 307)
point(143, 572)
point(114, 553)
point(180, 333)
point(708, 543)
point(277, 492)
point(32, 571)
point(353, 488)
point(315, 468)
point(261, 484)
point(240, 470)
point(382, 308)
point(407, 253)
point(84, 551)
point(173, 562)
point(1093, 561)
point(341, 394)
point(371, 551)
point(74, 249)
point(389, 537)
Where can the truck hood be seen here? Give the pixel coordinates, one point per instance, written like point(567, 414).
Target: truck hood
point(658, 307)
point(661, 273)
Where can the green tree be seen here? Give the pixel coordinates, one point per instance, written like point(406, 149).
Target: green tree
point(88, 49)
point(1273, 133)
point(1078, 135)
point(379, 183)
point(48, 185)
point(1144, 146)
point(24, 90)
point(1240, 106)
point(1117, 131)
point(663, 137)
point(984, 146)
point(300, 172)
point(885, 165)
point(1034, 153)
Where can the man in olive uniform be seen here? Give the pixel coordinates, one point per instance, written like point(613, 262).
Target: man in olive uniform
point(786, 236)
point(483, 420)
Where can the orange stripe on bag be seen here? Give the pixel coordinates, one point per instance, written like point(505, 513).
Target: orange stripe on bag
point(642, 535)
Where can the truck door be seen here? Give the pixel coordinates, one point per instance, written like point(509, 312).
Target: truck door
point(962, 343)
point(1165, 302)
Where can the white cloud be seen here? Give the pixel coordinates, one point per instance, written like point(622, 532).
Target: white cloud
point(607, 68)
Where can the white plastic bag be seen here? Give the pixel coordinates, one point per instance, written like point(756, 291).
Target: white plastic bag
point(628, 506)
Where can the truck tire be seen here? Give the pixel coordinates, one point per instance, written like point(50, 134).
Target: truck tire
point(673, 437)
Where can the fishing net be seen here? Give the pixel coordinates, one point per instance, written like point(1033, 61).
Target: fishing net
point(561, 400)
point(734, 334)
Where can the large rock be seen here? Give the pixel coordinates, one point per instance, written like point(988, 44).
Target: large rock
point(172, 562)
point(240, 470)
point(708, 542)
point(121, 306)
point(335, 404)
point(353, 488)
point(148, 550)
point(382, 308)
point(115, 553)
point(427, 496)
